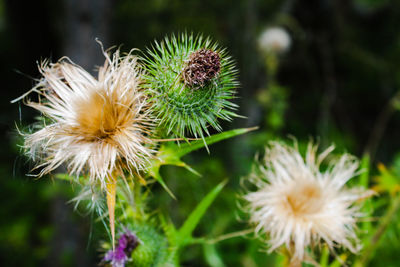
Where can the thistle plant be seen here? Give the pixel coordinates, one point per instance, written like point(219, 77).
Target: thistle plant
point(114, 132)
point(127, 242)
point(98, 127)
point(192, 81)
point(110, 134)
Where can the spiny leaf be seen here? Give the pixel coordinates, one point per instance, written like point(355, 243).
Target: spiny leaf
point(155, 173)
point(171, 153)
point(192, 146)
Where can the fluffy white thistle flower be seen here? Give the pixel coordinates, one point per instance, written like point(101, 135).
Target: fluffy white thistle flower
point(274, 39)
point(298, 205)
point(96, 126)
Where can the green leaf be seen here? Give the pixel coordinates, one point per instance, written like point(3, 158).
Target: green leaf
point(387, 181)
point(324, 257)
point(192, 146)
point(171, 153)
point(185, 232)
point(156, 174)
point(376, 237)
point(63, 176)
point(339, 261)
point(364, 181)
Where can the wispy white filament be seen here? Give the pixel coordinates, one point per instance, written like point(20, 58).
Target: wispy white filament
point(298, 205)
point(95, 126)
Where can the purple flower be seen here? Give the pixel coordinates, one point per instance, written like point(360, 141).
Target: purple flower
point(126, 244)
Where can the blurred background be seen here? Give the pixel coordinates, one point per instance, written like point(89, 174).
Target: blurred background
point(337, 81)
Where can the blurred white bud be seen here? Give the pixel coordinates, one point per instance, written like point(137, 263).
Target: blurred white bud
point(275, 40)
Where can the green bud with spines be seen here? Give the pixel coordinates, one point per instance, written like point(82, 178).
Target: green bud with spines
point(192, 81)
point(152, 250)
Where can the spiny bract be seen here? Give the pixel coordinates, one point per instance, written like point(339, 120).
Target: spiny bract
point(191, 80)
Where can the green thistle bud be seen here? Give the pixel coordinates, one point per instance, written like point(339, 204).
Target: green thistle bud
point(152, 249)
point(192, 81)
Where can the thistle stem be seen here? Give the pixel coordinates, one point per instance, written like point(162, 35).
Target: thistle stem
point(230, 235)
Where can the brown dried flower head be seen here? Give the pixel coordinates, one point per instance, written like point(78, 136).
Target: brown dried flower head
point(202, 67)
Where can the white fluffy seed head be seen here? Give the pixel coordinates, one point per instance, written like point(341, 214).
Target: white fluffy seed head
point(297, 205)
point(274, 40)
point(96, 126)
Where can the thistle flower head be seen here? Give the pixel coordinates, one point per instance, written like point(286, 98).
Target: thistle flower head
point(141, 245)
point(192, 82)
point(202, 67)
point(127, 242)
point(298, 205)
point(275, 40)
point(99, 126)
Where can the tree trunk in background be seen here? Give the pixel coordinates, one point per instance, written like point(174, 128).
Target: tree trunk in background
point(82, 23)
point(86, 20)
